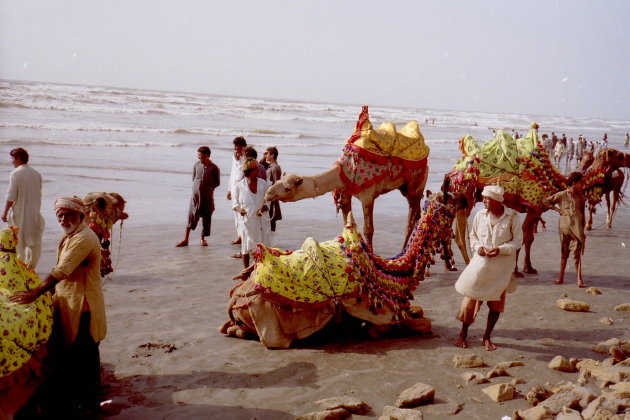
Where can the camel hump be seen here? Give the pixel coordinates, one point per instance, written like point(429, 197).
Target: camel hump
point(411, 130)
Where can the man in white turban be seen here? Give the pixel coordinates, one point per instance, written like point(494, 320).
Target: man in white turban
point(495, 237)
point(80, 312)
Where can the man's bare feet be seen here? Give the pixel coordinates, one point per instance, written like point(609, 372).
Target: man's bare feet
point(203, 242)
point(559, 281)
point(461, 343)
point(182, 243)
point(581, 284)
point(489, 345)
point(236, 241)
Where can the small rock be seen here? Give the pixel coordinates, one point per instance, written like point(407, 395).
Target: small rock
point(566, 398)
point(623, 387)
point(537, 394)
point(535, 413)
point(606, 321)
point(620, 352)
point(611, 374)
point(475, 377)
point(337, 414)
point(422, 325)
point(593, 291)
point(604, 346)
point(563, 295)
point(561, 364)
point(352, 404)
point(395, 413)
point(416, 395)
point(573, 305)
point(448, 409)
point(623, 307)
point(517, 381)
point(497, 371)
point(500, 392)
point(468, 361)
point(506, 365)
point(568, 414)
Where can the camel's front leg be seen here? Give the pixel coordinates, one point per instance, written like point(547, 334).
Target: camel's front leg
point(610, 205)
point(589, 219)
point(461, 232)
point(368, 220)
point(528, 238)
point(412, 217)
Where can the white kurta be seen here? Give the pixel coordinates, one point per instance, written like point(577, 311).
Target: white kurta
point(236, 174)
point(254, 229)
point(486, 278)
point(25, 191)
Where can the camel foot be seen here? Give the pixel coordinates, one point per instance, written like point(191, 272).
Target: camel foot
point(451, 268)
point(461, 343)
point(489, 345)
point(530, 270)
point(588, 227)
point(518, 275)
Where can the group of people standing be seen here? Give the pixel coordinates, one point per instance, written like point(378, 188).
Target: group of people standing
point(254, 218)
point(72, 385)
point(572, 151)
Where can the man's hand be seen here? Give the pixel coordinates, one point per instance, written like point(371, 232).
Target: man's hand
point(243, 212)
point(23, 297)
point(492, 253)
point(5, 218)
point(229, 195)
point(481, 251)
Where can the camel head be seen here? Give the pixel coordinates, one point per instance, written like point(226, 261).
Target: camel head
point(285, 188)
point(587, 160)
point(612, 158)
point(455, 201)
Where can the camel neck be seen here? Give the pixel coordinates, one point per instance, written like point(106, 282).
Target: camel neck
point(322, 183)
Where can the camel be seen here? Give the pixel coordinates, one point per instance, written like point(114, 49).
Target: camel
point(102, 211)
point(373, 162)
point(524, 169)
point(613, 184)
point(290, 295)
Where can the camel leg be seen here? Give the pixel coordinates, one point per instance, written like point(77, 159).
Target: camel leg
point(460, 233)
point(368, 220)
point(412, 217)
point(608, 214)
point(589, 220)
point(528, 238)
point(345, 205)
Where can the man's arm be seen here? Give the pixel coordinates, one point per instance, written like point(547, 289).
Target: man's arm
point(7, 207)
point(30, 295)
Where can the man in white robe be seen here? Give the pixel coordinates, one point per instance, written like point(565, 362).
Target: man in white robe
point(495, 237)
point(23, 207)
point(236, 174)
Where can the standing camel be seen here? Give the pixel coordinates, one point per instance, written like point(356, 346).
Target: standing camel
point(613, 181)
point(524, 169)
point(373, 162)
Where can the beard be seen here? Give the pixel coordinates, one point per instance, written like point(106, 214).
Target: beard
point(70, 227)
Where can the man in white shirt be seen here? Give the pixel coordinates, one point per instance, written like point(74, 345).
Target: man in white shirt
point(495, 237)
point(23, 207)
point(236, 174)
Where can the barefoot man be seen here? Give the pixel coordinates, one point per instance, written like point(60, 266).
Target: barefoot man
point(495, 237)
point(571, 224)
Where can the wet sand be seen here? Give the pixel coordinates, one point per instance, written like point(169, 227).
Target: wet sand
point(163, 356)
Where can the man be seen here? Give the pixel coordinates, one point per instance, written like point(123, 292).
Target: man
point(206, 177)
point(274, 173)
point(250, 152)
point(236, 174)
point(570, 152)
point(495, 237)
point(80, 324)
point(571, 224)
point(23, 207)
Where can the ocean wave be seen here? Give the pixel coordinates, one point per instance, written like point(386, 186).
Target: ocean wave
point(49, 142)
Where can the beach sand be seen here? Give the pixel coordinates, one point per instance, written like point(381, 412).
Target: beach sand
point(164, 358)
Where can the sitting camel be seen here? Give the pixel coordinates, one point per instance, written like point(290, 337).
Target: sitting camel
point(525, 171)
point(290, 295)
point(613, 182)
point(373, 162)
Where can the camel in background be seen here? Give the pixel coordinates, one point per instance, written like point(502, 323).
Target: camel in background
point(613, 183)
point(374, 162)
point(525, 171)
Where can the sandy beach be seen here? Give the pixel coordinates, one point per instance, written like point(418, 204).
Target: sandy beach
point(164, 358)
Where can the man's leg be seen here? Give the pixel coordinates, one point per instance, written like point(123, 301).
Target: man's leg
point(563, 266)
point(493, 317)
point(467, 312)
point(185, 241)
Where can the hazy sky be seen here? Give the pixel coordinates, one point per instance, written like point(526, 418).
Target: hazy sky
point(535, 57)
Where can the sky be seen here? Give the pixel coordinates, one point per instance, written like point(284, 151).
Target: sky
point(569, 58)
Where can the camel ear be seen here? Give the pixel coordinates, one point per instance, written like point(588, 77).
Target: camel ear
point(299, 181)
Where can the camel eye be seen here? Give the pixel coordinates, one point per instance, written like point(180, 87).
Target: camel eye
point(287, 189)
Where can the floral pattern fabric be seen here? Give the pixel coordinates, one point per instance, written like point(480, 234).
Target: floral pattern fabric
point(23, 327)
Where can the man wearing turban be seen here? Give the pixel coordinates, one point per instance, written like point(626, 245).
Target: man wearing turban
point(495, 237)
point(79, 311)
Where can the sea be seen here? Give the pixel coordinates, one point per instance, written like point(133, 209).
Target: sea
point(142, 143)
